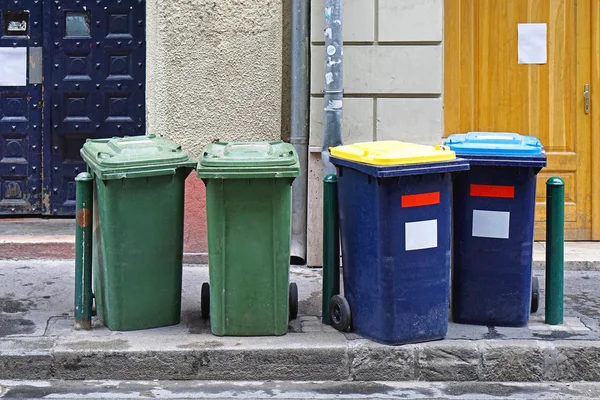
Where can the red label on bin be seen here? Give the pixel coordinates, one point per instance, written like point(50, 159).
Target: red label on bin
point(418, 200)
point(505, 192)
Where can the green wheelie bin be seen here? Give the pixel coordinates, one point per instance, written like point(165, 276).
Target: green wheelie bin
point(138, 229)
point(248, 204)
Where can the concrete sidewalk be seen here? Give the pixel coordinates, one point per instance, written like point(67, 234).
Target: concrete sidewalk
point(37, 340)
point(35, 238)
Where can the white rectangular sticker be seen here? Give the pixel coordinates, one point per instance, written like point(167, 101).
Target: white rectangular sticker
point(532, 43)
point(421, 235)
point(13, 66)
point(491, 224)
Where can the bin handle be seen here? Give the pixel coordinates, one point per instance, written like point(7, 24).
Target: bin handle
point(141, 174)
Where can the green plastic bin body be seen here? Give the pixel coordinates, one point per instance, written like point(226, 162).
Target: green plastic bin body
point(248, 203)
point(138, 230)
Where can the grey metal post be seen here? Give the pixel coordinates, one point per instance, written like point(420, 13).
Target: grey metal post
point(334, 87)
point(300, 97)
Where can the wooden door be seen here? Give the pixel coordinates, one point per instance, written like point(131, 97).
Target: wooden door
point(486, 89)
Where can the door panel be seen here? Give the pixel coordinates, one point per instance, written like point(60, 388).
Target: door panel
point(20, 108)
point(98, 83)
point(487, 90)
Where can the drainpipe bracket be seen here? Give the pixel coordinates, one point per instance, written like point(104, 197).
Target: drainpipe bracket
point(332, 91)
point(298, 140)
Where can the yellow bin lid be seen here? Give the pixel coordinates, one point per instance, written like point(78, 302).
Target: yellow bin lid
point(392, 152)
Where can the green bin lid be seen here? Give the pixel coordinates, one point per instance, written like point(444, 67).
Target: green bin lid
point(134, 157)
point(248, 160)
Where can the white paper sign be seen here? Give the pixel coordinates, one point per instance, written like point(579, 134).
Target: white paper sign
point(13, 66)
point(533, 44)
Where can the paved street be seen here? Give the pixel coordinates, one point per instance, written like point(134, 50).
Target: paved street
point(295, 390)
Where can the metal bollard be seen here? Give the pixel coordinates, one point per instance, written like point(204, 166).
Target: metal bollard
point(83, 251)
point(555, 250)
point(331, 244)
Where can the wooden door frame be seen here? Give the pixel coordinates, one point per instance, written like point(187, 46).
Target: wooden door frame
point(595, 116)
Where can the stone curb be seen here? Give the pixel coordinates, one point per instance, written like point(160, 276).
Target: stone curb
point(62, 250)
point(42, 251)
point(571, 265)
point(66, 251)
point(485, 360)
point(303, 357)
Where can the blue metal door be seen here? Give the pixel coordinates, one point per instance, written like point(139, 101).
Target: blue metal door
point(95, 84)
point(21, 24)
point(89, 56)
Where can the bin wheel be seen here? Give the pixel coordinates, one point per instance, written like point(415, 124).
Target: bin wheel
point(339, 310)
point(94, 312)
point(293, 300)
point(205, 300)
point(535, 295)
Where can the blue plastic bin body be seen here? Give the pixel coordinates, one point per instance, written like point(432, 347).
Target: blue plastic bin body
point(397, 286)
point(494, 209)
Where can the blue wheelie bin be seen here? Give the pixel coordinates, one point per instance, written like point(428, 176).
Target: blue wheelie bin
point(395, 207)
point(494, 207)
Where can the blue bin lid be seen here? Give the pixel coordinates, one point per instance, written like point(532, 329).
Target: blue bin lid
point(495, 144)
point(498, 149)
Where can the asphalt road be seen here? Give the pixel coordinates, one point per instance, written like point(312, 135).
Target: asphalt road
point(294, 390)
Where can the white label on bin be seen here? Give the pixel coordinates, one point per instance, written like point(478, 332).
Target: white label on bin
point(491, 224)
point(421, 235)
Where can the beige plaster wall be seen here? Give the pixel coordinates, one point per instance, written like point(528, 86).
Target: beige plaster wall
point(214, 70)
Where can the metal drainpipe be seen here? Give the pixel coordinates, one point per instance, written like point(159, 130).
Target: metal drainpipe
point(334, 88)
point(299, 125)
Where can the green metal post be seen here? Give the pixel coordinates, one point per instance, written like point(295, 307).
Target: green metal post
point(331, 244)
point(83, 251)
point(555, 250)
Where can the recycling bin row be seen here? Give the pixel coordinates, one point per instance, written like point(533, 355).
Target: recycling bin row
point(409, 214)
point(137, 241)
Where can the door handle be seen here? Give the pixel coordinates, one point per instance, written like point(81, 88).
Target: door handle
point(586, 98)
